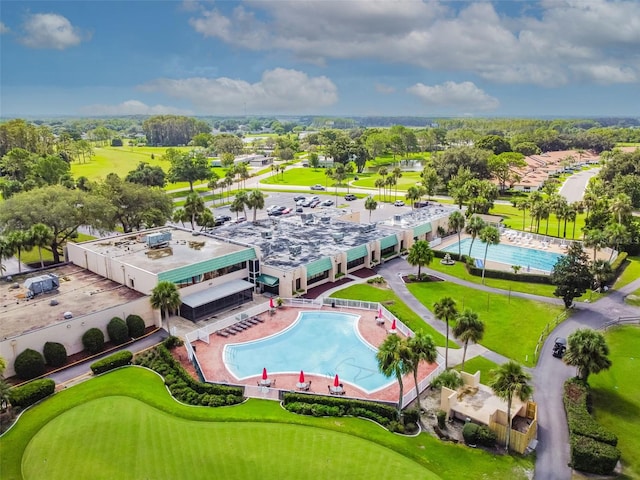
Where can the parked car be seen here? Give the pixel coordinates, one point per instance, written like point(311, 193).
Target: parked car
point(299, 210)
point(560, 347)
point(398, 203)
point(285, 211)
point(298, 198)
point(421, 204)
point(350, 197)
point(314, 204)
point(272, 208)
point(241, 219)
point(317, 186)
point(327, 203)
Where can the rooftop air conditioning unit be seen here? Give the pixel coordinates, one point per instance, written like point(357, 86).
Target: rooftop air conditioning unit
point(325, 219)
point(397, 218)
point(338, 237)
point(295, 250)
point(267, 234)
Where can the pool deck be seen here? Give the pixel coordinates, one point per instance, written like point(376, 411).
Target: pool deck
point(211, 360)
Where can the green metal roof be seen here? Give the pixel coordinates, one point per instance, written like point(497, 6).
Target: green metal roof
point(268, 280)
point(318, 266)
point(357, 252)
point(388, 241)
point(188, 271)
point(422, 229)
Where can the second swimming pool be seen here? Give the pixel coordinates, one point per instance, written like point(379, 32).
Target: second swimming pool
point(319, 343)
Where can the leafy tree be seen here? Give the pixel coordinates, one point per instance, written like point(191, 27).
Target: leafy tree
point(173, 130)
point(527, 149)
point(571, 275)
point(502, 166)
point(456, 223)
point(255, 201)
point(393, 359)
point(468, 328)
point(490, 236)
point(421, 348)
point(587, 350)
point(370, 204)
point(495, 143)
point(147, 175)
point(420, 255)
point(41, 236)
point(187, 167)
point(445, 309)
point(166, 298)
point(508, 380)
point(430, 180)
point(473, 228)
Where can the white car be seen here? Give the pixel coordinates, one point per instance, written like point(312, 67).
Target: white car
point(398, 203)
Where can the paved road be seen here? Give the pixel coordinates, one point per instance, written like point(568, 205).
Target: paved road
point(574, 186)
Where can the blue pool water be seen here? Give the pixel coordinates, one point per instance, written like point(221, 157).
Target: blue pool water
point(509, 254)
point(319, 343)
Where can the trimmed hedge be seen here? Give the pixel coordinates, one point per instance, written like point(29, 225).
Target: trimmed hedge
point(29, 393)
point(321, 405)
point(55, 354)
point(135, 325)
point(617, 264)
point(589, 455)
point(182, 386)
point(478, 435)
point(118, 359)
point(29, 364)
point(118, 331)
point(93, 340)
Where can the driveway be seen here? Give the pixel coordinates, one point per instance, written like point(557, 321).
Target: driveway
point(574, 186)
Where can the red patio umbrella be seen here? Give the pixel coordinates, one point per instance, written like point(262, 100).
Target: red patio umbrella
point(393, 324)
point(336, 381)
point(271, 302)
point(264, 374)
point(301, 379)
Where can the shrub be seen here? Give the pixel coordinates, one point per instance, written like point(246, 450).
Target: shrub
point(118, 331)
point(172, 342)
point(29, 364)
point(118, 359)
point(617, 264)
point(486, 437)
point(411, 415)
point(55, 354)
point(441, 415)
point(29, 393)
point(589, 455)
point(93, 340)
point(449, 378)
point(135, 326)
point(470, 433)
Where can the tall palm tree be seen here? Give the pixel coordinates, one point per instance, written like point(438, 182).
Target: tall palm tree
point(569, 216)
point(602, 273)
point(20, 241)
point(255, 201)
point(420, 254)
point(193, 207)
point(213, 183)
point(414, 193)
point(473, 228)
point(397, 174)
point(587, 350)
point(596, 239)
point(490, 236)
point(508, 380)
point(523, 205)
point(456, 223)
point(7, 250)
point(468, 328)
point(393, 359)
point(370, 204)
point(421, 348)
point(166, 298)
point(41, 236)
point(617, 234)
point(621, 206)
point(446, 310)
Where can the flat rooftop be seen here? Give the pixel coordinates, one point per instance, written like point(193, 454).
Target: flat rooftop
point(420, 216)
point(185, 248)
point(318, 235)
point(81, 292)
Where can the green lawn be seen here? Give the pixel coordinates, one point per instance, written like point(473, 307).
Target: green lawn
point(513, 219)
point(34, 257)
point(634, 299)
point(512, 325)
point(616, 395)
point(396, 306)
point(300, 176)
point(125, 425)
point(479, 363)
point(630, 273)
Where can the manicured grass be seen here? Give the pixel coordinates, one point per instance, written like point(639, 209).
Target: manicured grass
point(513, 219)
point(300, 176)
point(630, 273)
point(34, 257)
point(407, 180)
point(635, 300)
point(512, 324)
point(160, 438)
point(396, 306)
point(483, 365)
point(616, 395)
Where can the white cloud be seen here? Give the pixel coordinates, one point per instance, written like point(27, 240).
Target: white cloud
point(279, 90)
point(384, 89)
point(4, 28)
point(456, 96)
point(473, 37)
point(49, 30)
point(132, 107)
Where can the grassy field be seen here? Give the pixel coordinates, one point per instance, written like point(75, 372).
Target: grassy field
point(125, 425)
point(630, 273)
point(300, 176)
point(512, 325)
point(396, 306)
point(513, 219)
point(482, 364)
point(616, 395)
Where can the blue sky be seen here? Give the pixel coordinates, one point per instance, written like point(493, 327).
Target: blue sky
point(322, 57)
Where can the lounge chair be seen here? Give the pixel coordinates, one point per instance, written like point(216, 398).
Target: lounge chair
point(258, 319)
point(221, 333)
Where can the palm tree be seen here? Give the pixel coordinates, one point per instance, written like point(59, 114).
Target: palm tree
point(421, 348)
point(621, 206)
point(602, 273)
point(446, 310)
point(213, 183)
point(179, 215)
point(7, 250)
point(393, 359)
point(468, 328)
point(396, 174)
point(523, 205)
point(587, 350)
point(616, 233)
point(379, 184)
point(559, 206)
point(255, 200)
point(508, 380)
point(166, 298)
point(473, 228)
point(420, 254)
point(41, 236)
point(19, 241)
point(193, 207)
point(490, 236)
point(413, 195)
point(456, 223)
point(595, 238)
point(370, 204)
